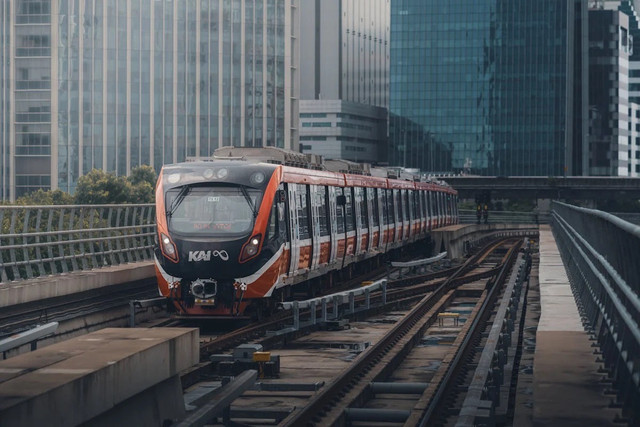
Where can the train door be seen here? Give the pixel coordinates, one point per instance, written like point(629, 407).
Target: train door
point(416, 213)
point(423, 211)
point(283, 229)
point(321, 230)
point(408, 214)
point(397, 204)
point(391, 217)
point(439, 208)
point(333, 224)
point(340, 232)
point(315, 229)
point(294, 232)
point(357, 203)
point(374, 220)
point(301, 250)
point(362, 220)
point(350, 220)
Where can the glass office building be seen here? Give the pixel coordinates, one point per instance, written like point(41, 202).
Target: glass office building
point(481, 86)
point(116, 84)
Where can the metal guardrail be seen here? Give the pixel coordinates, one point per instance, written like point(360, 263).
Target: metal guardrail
point(601, 254)
point(484, 392)
point(333, 301)
point(27, 337)
point(468, 216)
point(42, 240)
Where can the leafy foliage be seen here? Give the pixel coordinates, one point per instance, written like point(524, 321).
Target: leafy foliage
point(99, 187)
point(41, 197)
point(142, 181)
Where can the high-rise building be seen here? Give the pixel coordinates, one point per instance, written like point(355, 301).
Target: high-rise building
point(630, 8)
point(482, 86)
point(115, 84)
point(338, 129)
point(344, 63)
point(610, 47)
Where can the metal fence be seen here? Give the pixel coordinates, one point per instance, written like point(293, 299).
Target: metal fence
point(601, 253)
point(42, 240)
point(469, 216)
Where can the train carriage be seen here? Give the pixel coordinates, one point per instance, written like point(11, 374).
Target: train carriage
point(239, 230)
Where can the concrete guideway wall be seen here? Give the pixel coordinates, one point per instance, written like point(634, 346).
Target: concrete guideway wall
point(26, 291)
point(99, 378)
point(454, 238)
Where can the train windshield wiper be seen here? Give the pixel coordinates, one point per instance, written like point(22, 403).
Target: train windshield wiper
point(176, 202)
point(248, 198)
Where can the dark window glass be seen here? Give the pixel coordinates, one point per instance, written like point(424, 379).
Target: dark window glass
point(303, 212)
point(272, 227)
point(389, 214)
point(362, 201)
point(398, 203)
point(211, 211)
point(323, 220)
point(339, 213)
point(349, 210)
point(406, 201)
point(375, 213)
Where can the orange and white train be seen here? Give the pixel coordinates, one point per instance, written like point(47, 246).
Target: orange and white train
point(237, 232)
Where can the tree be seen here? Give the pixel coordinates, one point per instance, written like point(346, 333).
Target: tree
point(41, 197)
point(99, 187)
point(143, 181)
point(144, 173)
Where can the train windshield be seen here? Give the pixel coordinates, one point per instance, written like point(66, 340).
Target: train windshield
point(212, 211)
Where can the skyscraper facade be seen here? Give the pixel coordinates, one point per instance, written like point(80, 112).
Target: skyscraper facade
point(481, 86)
point(345, 64)
point(116, 84)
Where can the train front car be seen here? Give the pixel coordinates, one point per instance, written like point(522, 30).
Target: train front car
point(215, 225)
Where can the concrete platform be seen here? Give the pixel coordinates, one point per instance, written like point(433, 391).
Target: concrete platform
point(566, 387)
point(452, 238)
point(91, 378)
point(20, 292)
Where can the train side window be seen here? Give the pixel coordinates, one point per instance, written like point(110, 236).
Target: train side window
point(406, 201)
point(272, 227)
point(425, 212)
point(397, 203)
point(391, 206)
point(349, 209)
point(339, 212)
point(361, 193)
point(323, 220)
point(374, 206)
point(385, 206)
point(303, 212)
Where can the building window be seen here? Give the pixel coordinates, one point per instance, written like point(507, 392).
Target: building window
point(312, 115)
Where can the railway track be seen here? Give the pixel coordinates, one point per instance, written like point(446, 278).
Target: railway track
point(14, 319)
point(347, 396)
point(491, 261)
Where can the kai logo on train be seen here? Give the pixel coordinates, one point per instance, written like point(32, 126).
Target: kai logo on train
point(197, 256)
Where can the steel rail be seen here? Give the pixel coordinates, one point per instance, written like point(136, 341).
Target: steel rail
point(325, 401)
point(428, 403)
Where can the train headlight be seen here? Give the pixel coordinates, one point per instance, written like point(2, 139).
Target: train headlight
point(222, 173)
point(168, 247)
point(250, 249)
point(174, 178)
point(257, 178)
point(208, 174)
